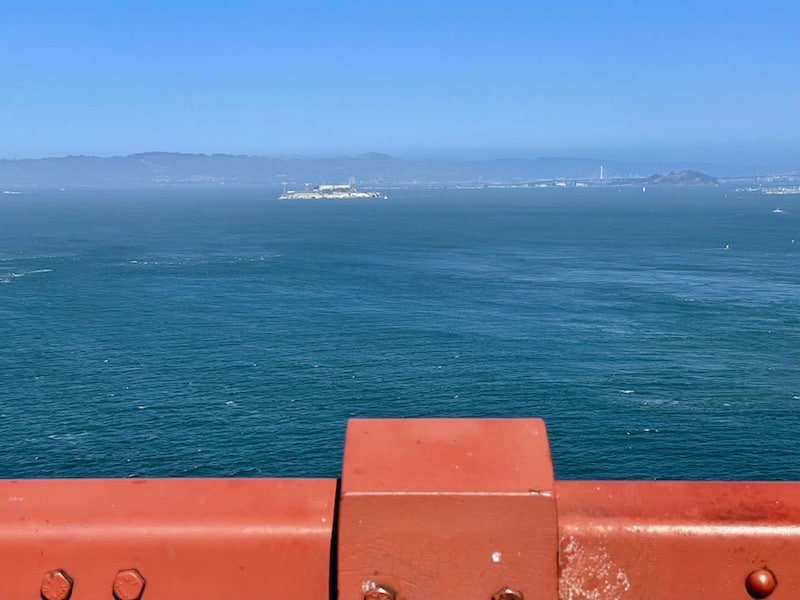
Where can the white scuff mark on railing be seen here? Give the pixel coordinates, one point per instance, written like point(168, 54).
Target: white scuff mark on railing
point(589, 574)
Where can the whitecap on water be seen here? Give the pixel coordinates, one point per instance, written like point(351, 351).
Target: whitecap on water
point(67, 437)
point(15, 275)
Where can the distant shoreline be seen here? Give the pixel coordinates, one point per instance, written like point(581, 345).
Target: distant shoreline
point(371, 171)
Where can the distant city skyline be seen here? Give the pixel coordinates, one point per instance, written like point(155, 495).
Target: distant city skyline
point(714, 81)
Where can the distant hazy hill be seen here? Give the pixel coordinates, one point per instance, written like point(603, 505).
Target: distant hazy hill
point(368, 170)
point(682, 178)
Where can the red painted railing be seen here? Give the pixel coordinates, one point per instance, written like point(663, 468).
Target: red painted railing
point(426, 508)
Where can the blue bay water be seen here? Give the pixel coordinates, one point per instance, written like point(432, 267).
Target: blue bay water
point(225, 333)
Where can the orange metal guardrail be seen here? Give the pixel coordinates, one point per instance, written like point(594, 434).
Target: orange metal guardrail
point(427, 508)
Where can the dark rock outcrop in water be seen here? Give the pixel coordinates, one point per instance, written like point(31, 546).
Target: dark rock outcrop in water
point(682, 178)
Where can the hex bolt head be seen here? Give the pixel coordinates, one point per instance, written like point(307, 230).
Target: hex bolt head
point(379, 592)
point(507, 593)
point(760, 583)
point(56, 585)
point(128, 585)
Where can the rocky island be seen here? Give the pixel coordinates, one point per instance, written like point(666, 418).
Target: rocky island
point(681, 178)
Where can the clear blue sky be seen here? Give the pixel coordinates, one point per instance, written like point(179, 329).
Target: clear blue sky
point(618, 79)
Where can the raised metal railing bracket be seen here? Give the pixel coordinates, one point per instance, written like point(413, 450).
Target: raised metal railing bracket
point(447, 509)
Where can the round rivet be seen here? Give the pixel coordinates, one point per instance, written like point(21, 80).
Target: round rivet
point(507, 593)
point(760, 583)
point(379, 592)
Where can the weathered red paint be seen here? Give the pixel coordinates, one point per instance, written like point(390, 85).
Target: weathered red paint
point(186, 538)
point(676, 540)
point(447, 509)
point(429, 508)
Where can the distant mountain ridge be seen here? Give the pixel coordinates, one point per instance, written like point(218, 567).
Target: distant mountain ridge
point(371, 169)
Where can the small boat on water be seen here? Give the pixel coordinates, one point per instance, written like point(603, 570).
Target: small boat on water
point(333, 192)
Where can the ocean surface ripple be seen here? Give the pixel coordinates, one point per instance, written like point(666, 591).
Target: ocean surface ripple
point(225, 333)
